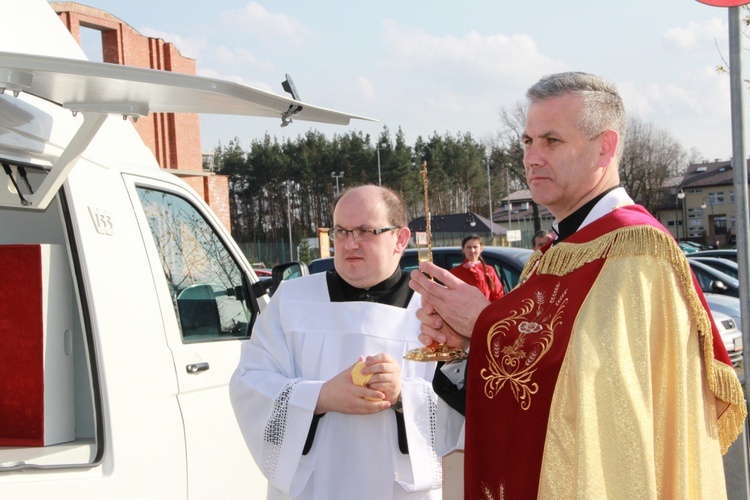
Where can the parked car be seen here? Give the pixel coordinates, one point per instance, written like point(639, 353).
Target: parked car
point(726, 266)
point(695, 245)
point(320, 265)
point(263, 273)
point(507, 261)
point(714, 281)
point(730, 335)
point(730, 254)
point(725, 304)
point(686, 247)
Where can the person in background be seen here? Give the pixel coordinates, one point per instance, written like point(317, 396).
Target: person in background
point(540, 239)
point(475, 271)
point(602, 374)
point(315, 430)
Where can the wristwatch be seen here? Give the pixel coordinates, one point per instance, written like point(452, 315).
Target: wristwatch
point(398, 405)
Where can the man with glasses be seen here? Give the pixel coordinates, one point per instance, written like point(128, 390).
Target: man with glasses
point(315, 428)
point(602, 374)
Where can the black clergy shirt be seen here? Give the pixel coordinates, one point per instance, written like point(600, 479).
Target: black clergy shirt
point(394, 291)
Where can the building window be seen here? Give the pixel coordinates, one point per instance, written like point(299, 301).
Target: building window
point(716, 198)
point(91, 43)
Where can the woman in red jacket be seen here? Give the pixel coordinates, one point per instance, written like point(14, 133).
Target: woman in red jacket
point(474, 271)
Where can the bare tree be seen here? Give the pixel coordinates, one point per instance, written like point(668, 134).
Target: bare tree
point(506, 154)
point(650, 157)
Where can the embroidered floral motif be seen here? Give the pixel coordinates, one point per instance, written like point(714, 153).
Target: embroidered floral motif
point(529, 327)
point(532, 329)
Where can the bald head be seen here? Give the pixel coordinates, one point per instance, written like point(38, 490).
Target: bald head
point(394, 204)
point(366, 261)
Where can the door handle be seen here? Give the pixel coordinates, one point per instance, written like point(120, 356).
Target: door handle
point(197, 367)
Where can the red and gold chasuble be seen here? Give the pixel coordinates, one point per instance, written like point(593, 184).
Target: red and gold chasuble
point(520, 342)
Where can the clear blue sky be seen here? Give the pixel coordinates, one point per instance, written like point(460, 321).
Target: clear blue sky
point(448, 67)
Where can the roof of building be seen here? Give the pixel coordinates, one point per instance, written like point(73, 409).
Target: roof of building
point(715, 173)
point(458, 223)
point(521, 207)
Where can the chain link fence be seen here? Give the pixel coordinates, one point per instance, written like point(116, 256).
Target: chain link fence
point(268, 254)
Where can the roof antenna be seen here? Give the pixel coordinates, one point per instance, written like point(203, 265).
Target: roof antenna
point(289, 87)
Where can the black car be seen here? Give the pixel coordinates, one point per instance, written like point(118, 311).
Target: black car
point(507, 261)
point(320, 265)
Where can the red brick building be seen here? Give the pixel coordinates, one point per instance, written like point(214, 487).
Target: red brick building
point(173, 138)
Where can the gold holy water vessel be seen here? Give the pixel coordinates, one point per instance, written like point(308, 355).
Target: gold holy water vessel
point(435, 351)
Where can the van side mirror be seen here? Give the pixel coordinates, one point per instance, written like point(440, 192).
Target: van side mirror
point(287, 271)
point(261, 287)
point(718, 286)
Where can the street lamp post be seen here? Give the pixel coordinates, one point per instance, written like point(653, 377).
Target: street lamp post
point(680, 195)
point(709, 223)
point(337, 176)
point(489, 197)
point(510, 205)
point(289, 217)
point(378, 148)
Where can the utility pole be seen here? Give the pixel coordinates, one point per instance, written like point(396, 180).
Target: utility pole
point(510, 205)
point(378, 148)
point(489, 197)
point(289, 217)
point(337, 176)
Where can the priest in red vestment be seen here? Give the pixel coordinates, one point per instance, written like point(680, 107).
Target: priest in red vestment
point(602, 374)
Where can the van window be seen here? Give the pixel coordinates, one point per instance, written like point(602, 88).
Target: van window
point(206, 284)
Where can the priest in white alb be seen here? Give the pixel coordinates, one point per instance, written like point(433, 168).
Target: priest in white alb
point(316, 429)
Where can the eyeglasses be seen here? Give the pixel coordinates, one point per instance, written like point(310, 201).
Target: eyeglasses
point(359, 233)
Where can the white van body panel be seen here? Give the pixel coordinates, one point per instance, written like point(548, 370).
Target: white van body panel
point(152, 415)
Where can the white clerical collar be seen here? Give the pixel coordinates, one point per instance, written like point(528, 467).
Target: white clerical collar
point(614, 199)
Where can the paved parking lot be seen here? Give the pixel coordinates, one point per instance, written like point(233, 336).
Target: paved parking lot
point(736, 466)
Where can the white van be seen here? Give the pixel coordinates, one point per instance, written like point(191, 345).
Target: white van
point(123, 301)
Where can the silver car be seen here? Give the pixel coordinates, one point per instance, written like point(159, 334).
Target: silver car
point(725, 304)
point(730, 334)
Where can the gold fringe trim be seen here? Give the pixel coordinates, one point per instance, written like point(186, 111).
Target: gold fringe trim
point(633, 241)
